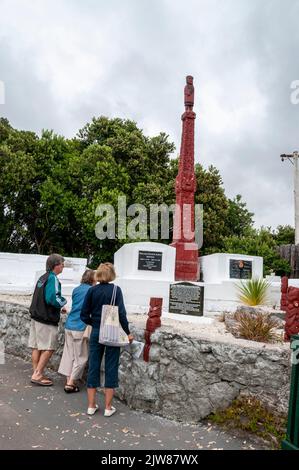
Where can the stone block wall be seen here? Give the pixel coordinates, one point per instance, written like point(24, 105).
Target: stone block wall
point(14, 332)
point(188, 377)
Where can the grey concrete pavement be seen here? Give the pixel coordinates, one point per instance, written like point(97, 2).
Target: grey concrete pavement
point(35, 417)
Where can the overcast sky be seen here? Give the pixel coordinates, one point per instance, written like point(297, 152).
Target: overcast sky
point(64, 61)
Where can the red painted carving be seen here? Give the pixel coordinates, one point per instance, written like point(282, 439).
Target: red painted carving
point(153, 322)
point(189, 93)
point(292, 315)
point(186, 266)
point(284, 292)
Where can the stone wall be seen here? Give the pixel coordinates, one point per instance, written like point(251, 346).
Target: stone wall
point(188, 376)
point(14, 332)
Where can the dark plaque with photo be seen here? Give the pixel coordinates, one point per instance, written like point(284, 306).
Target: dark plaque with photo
point(186, 298)
point(240, 269)
point(150, 261)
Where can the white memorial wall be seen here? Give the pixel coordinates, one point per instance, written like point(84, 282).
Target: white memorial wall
point(220, 275)
point(216, 267)
point(144, 270)
point(19, 272)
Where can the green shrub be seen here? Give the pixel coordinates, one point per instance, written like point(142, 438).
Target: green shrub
point(253, 291)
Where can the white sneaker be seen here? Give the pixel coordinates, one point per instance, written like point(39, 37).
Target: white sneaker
point(110, 412)
point(91, 411)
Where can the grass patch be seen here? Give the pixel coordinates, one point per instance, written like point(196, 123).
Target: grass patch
point(257, 327)
point(248, 414)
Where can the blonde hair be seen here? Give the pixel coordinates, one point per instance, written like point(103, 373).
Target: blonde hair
point(105, 273)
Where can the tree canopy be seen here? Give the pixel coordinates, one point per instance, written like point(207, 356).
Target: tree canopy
point(50, 188)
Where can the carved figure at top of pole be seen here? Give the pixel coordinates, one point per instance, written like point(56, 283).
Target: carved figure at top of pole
point(189, 93)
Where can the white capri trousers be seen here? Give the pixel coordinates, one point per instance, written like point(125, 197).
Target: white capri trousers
point(75, 354)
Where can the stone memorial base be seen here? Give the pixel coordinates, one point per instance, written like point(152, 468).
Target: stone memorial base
point(222, 296)
point(147, 270)
point(223, 272)
point(144, 270)
point(137, 293)
point(220, 267)
point(199, 320)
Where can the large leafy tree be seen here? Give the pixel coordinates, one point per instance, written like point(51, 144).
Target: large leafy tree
point(17, 174)
point(284, 235)
point(141, 168)
point(50, 188)
point(238, 219)
point(210, 193)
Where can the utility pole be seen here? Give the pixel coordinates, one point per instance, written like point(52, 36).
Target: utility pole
point(293, 158)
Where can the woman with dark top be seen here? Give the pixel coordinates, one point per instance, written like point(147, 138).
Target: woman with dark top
point(96, 297)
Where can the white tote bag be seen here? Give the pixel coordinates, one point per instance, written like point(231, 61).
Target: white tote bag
point(111, 332)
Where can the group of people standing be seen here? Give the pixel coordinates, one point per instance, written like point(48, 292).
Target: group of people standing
point(82, 328)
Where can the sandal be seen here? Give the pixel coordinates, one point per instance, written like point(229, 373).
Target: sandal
point(71, 389)
point(45, 382)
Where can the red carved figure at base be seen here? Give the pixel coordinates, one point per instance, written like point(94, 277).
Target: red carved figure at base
point(153, 322)
point(284, 293)
point(292, 313)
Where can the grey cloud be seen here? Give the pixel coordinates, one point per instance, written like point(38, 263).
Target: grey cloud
point(238, 51)
point(28, 101)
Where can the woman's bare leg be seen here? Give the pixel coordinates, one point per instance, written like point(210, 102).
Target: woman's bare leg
point(109, 392)
point(91, 394)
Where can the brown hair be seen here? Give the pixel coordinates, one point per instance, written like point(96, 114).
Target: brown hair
point(88, 277)
point(105, 273)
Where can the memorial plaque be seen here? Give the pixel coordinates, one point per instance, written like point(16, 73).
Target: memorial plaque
point(150, 260)
point(186, 298)
point(240, 269)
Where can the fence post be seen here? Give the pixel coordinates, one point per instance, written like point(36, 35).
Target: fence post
point(292, 440)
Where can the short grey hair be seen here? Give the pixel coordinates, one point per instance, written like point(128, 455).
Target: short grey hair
point(54, 260)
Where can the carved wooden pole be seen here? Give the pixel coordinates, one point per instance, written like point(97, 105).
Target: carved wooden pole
point(153, 322)
point(292, 314)
point(186, 265)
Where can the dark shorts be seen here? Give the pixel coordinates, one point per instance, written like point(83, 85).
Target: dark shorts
point(96, 353)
